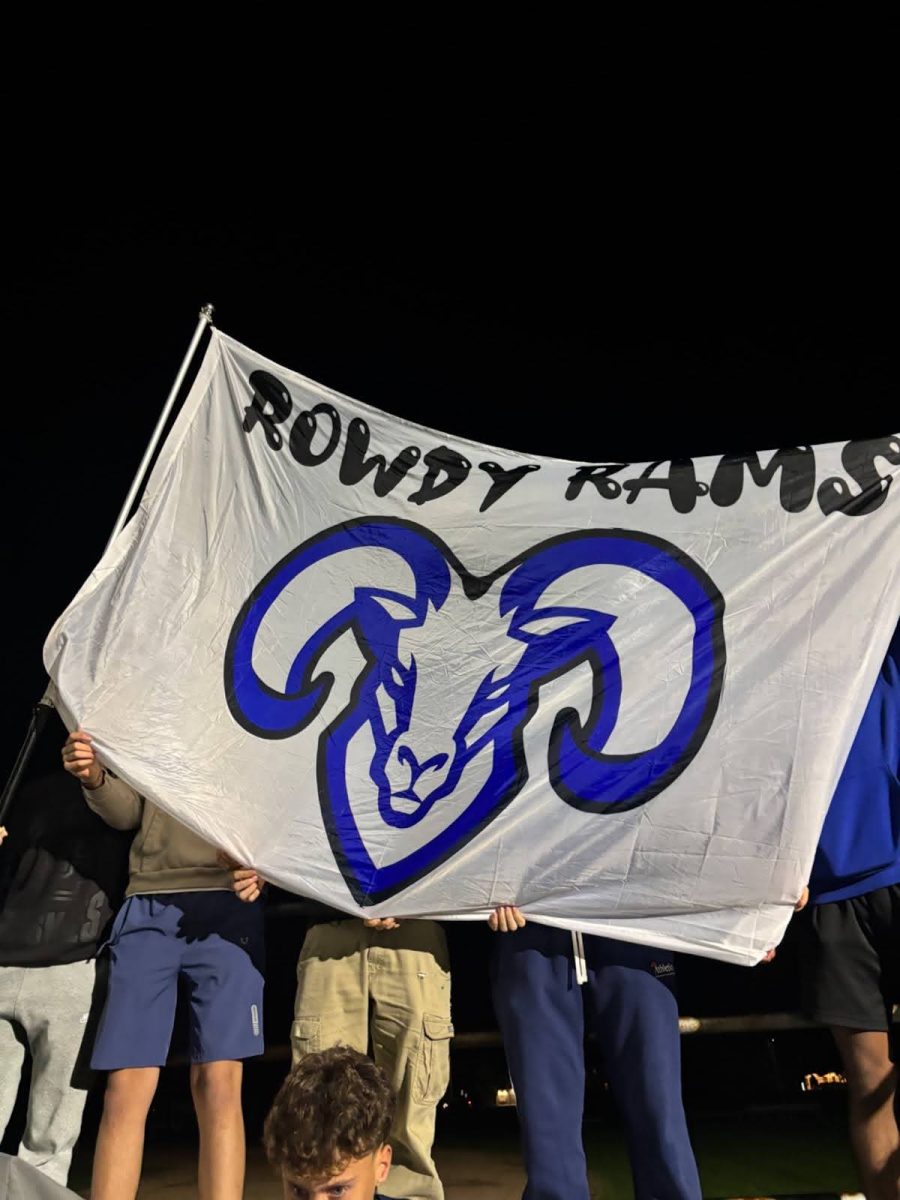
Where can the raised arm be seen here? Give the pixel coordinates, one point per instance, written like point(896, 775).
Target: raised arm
point(112, 799)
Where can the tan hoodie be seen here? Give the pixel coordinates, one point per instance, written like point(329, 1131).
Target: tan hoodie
point(165, 855)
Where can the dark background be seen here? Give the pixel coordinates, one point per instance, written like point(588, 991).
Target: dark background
point(686, 262)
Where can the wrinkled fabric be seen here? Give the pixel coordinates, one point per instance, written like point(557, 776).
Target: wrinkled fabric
point(405, 674)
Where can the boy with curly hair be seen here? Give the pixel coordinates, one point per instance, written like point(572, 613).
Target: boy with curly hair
point(328, 1129)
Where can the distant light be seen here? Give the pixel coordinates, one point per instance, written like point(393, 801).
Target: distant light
point(812, 1082)
point(506, 1098)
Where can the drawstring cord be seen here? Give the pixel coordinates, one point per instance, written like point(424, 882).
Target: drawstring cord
point(581, 975)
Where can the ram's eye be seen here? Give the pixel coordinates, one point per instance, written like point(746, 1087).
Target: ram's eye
point(397, 678)
point(496, 692)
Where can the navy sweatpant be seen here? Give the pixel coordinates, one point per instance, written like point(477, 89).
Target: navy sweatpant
point(630, 1004)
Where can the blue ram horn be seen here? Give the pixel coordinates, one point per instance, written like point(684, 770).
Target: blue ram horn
point(579, 770)
point(275, 714)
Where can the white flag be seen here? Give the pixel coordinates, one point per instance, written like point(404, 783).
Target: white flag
point(411, 675)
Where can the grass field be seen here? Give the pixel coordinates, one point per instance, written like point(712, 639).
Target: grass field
point(790, 1151)
point(752, 1153)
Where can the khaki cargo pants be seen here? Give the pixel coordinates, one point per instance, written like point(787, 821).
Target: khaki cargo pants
point(392, 986)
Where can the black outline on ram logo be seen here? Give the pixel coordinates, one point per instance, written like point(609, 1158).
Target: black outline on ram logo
point(309, 692)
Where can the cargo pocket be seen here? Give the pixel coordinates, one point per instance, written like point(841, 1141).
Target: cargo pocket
point(433, 1071)
point(305, 1037)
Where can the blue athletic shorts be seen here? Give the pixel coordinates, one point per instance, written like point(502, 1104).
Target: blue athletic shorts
point(213, 943)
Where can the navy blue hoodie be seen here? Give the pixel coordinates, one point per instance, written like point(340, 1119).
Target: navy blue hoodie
point(859, 849)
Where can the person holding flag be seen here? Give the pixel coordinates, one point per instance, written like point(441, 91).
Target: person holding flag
point(180, 921)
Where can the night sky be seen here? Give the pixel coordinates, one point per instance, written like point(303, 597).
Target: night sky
point(730, 292)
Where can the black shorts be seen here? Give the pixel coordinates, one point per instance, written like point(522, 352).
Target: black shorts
point(850, 960)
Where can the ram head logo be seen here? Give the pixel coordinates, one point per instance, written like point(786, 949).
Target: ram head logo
point(450, 670)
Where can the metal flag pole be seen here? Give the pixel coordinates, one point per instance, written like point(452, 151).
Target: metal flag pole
point(204, 321)
point(46, 705)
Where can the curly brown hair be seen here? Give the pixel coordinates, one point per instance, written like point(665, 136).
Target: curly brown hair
point(335, 1106)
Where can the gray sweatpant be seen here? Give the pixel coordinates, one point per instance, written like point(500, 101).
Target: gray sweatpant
point(47, 1009)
